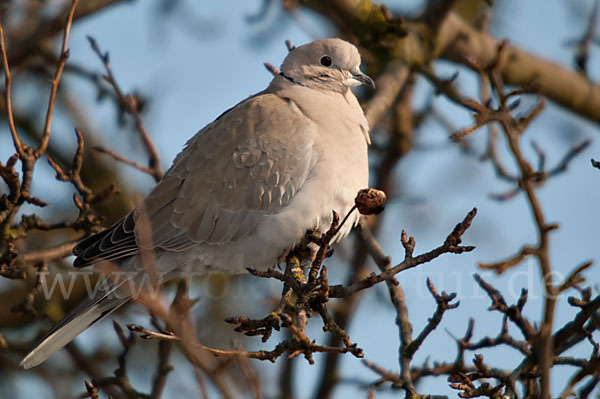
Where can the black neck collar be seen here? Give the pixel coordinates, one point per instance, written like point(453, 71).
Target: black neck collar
point(290, 79)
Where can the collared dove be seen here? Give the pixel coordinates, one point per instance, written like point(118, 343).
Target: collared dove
point(245, 189)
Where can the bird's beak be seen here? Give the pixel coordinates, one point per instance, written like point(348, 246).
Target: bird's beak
point(362, 78)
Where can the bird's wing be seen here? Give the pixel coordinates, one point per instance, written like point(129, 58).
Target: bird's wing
point(247, 164)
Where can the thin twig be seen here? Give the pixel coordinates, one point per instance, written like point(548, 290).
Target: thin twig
point(7, 97)
point(64, 55)
point(129, 104)
point(121, 158)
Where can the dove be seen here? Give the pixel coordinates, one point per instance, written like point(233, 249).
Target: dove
point(244, 190)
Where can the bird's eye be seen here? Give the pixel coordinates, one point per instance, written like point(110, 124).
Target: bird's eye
point(326, 60)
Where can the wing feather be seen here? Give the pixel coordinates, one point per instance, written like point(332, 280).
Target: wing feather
point(229, 176)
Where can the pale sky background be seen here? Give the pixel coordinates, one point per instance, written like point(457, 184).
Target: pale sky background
point(213, 59)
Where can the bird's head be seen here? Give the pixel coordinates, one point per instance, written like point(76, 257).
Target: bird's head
point(328, 64)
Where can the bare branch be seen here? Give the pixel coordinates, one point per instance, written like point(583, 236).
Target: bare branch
point(129, 103)
point(64, 55)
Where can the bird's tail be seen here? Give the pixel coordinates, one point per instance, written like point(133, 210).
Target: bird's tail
point(99, 305)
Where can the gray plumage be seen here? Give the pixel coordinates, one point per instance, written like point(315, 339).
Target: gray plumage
point(245, 189)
